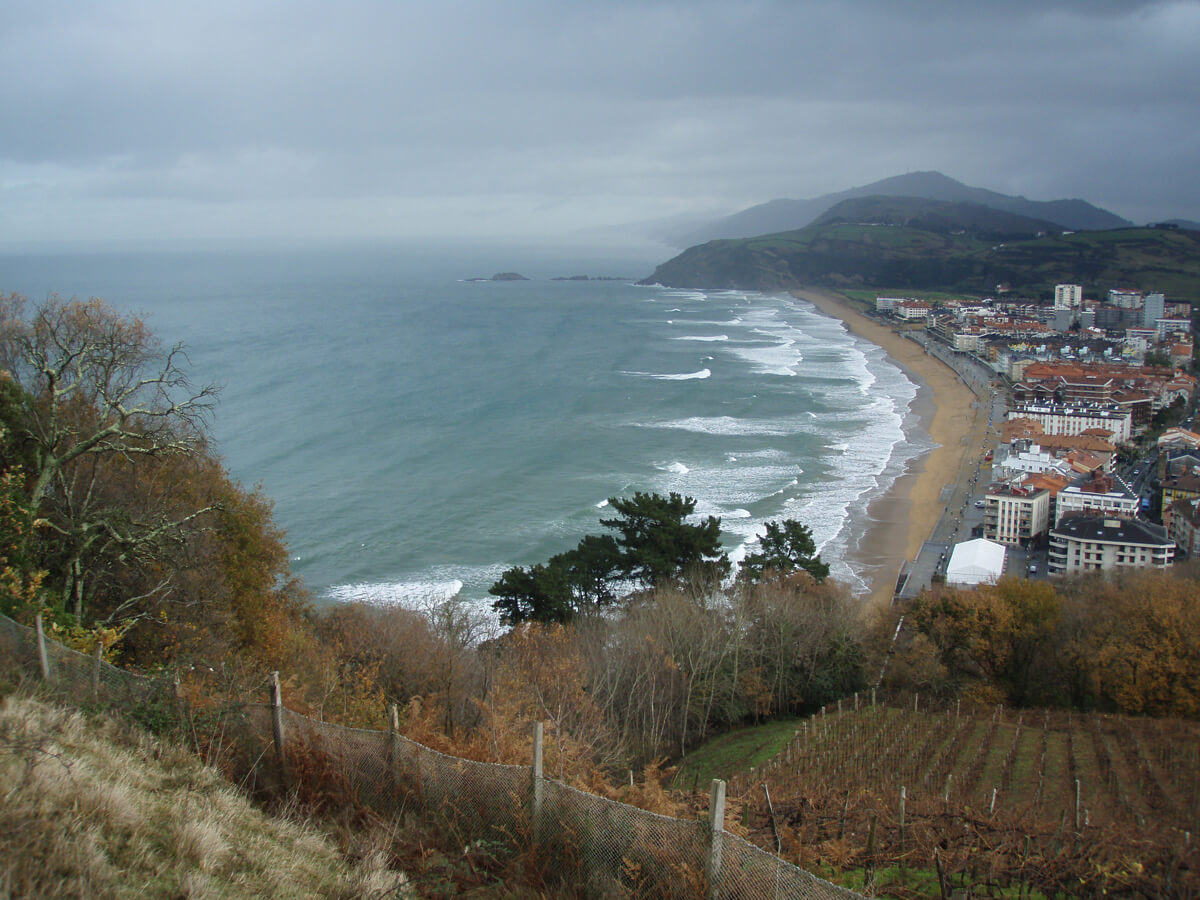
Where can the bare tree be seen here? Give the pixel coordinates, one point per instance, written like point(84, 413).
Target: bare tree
point(106, 407)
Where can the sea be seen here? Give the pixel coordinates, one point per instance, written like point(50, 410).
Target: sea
point(420, 432)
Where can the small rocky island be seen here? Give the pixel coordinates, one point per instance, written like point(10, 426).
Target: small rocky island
point(502, 276)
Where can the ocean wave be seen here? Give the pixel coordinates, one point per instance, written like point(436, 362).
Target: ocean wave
point(406, 594)
point(724, 425)
point(676, 468)
point(771, 359)
point(701, 337)
point(685, 376)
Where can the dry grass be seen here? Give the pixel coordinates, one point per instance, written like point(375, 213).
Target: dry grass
point(91, 808)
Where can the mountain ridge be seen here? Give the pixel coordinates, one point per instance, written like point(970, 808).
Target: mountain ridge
point(783, 214)
point(955, 256)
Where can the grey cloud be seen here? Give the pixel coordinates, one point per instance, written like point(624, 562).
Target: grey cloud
point(597, 111)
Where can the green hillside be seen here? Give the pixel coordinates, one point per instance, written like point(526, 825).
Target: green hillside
point(956, 254)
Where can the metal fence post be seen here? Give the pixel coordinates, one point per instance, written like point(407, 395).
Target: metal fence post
point(716, 827)
point(43, 659)
point(535, 786)
point(277, 726)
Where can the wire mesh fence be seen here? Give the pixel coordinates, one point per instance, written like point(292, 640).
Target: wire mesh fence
point(600, 847)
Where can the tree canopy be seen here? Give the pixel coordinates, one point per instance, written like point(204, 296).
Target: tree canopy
point(113, 509)
point(786, 547)
point(656, 542)
point(101, 409)
point(653, 545)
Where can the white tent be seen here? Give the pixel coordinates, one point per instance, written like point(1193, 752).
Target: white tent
point(975, 562)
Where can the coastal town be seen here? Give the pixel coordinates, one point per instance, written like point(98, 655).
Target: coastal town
point(1082, 457)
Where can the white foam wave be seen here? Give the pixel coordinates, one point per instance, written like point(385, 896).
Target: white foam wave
point(725, 425)
point(684, 376)
point(737, 514)
point(407, 594)
point(676, 468)
point(602, 504)
point(702, 337)
point(772, 359)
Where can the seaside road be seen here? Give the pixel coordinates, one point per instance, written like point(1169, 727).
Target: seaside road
point(956, 521)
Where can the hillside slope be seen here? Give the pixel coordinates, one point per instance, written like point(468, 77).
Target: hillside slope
point(957, 257)
point(92, 808)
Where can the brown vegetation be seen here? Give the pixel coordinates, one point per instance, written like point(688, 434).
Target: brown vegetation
point(95, 809)
point(1127, 643)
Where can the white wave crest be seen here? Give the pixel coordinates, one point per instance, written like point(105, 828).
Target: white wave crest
point(725, 425)
point(685, 376)
point(702, 337)
point(407, 594)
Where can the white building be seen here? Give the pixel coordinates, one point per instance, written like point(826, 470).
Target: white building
point(1068, 296)
point(967, 341)
point(976, 562)
point(1125, 299)
point(1076, 419)
point(1163, 327)
point(1026, 456)
point(1088, 543)
point(1015, 516)
point(911, 309)
point(1154, 308)
point(1098, 493)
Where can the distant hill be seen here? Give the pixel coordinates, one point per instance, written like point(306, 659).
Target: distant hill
point(956, 255)
point(786, 215)
point(937, 216)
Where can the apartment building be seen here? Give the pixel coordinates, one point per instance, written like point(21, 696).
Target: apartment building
point(1084, 542)
point(1077, 419)
point(1096, 492)
point(1068, 296)
point(1015, 515)
point(1182, 521)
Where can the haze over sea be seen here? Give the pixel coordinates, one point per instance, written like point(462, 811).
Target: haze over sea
point(419, 433)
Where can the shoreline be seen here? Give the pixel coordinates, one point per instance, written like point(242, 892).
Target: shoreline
point(899, 521)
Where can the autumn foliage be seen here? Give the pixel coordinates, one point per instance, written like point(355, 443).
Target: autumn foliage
point(1127, 643)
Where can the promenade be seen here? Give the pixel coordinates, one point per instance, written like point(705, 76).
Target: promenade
point(959, 515)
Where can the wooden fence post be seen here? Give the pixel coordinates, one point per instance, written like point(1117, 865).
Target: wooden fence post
point(716, 828)
point(774, 824)
point(97, 658)
point(43, 659)
point(535, 787)
point(393, 748)
point(277, 726)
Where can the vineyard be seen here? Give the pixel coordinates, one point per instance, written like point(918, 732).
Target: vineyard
point(998, 802)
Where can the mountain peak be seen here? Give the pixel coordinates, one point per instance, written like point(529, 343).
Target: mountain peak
point(782, 214)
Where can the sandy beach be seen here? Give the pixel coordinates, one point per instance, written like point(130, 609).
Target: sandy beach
point(901, 520)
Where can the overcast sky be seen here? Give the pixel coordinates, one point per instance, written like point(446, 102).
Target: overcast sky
point(300, 119)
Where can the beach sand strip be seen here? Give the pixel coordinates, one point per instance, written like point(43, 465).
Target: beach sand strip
point(905, 517)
